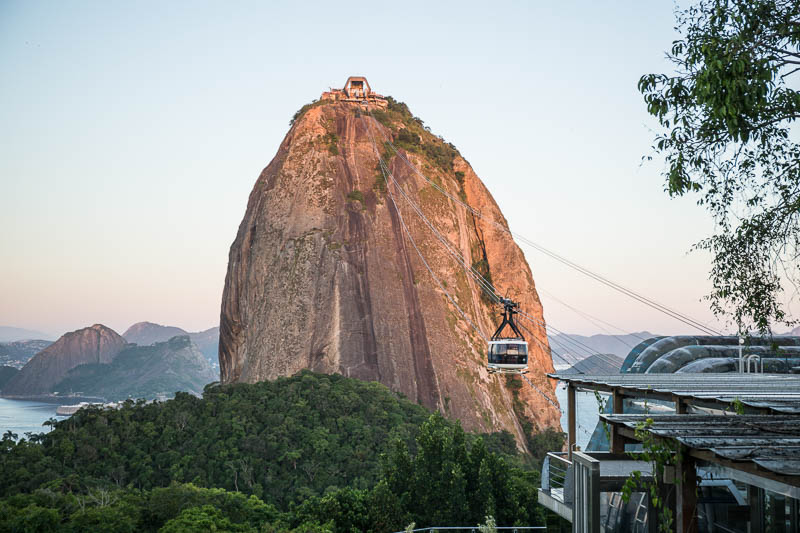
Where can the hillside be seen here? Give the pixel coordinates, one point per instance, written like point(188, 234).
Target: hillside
point(143, 372)
point(305, 450)
point(95, 344)
point(578, 346)
point(18, 353)
point(6, 373)
point(147, 333)
point(321, 275)
point(596, 364)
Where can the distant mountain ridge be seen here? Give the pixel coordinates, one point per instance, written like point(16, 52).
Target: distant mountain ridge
point(147, 333)
point(98, 362)
point(12, 334)
point(599, 364)
point(579, 346)
point(95, 344)
point(143, 372)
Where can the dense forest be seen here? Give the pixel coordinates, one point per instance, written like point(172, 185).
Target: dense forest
point(312, 452)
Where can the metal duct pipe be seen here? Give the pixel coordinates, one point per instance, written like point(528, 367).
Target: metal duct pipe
point(653, 352)
point(676, 359)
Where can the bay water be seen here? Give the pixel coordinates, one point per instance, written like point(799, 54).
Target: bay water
point(22, 416)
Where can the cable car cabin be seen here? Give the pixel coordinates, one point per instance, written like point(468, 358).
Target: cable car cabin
point(508, 355)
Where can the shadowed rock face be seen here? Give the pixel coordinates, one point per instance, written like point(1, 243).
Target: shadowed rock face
point(321, 275)
point(95, 344)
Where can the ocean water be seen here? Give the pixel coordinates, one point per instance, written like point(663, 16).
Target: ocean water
point(21, 416)
point(586, 411)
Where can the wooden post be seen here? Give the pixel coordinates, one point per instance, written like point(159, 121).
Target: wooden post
point(680, 406)
point(616, 402)
point(686, 500)
point(571, 427)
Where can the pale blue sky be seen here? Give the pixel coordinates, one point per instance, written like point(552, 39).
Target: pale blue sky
point(131, 134)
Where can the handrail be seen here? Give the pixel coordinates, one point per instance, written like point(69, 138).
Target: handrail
point(476, 528)
point(756, 359)
point(558, 472)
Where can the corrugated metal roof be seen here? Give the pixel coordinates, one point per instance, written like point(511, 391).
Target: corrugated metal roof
point(770, 441)
point(777, 392)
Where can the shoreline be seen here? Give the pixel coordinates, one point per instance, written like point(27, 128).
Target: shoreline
point(60, 400)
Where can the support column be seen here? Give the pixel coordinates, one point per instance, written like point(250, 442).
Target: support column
point(686, 497)
point(680, 406)
point(571, 426)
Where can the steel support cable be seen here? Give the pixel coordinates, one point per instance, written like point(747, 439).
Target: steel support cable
point(597, 277)
point(579, 345)
point(593, 319)
point(546, 397)
point(384, 172)
point(485, 285)
point(414, 244)
point(552, 351)
point(590, 366)
point(482, 282)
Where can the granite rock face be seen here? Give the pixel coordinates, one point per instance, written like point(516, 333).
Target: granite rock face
point(322, 276)
point(95, 344)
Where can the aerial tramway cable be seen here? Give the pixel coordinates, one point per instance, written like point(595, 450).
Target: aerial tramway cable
point(484, 284)
point(386, 173)
point(597, 277)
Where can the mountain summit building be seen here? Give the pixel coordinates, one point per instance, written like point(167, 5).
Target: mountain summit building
point(356, 89)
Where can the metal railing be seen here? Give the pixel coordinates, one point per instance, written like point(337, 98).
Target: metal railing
point(476, 529)
point(557, 472)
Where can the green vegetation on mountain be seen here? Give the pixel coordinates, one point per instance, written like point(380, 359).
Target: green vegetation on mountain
point(312, 452)
point(143, 372)
point(412, 135)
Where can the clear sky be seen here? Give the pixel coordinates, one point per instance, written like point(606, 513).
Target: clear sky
point(131, 134)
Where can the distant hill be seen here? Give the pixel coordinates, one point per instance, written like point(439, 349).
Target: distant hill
point(596, 364)
point(18, 353)
point(147, 333)
point(619, 345)
point(11, 334)
point(208, 343)
point(95, 344)
point(143, 372)
point(6, 373)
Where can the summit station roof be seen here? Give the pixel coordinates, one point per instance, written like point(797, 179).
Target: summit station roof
point(771, 442)
point(778, 393)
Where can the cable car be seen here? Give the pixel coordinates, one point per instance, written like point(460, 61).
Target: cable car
point(508, 355)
